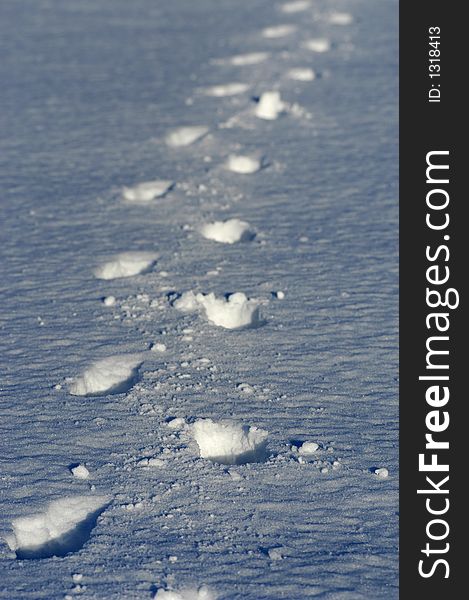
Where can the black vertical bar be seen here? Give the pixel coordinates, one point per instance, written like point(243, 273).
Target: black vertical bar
point(432, 120)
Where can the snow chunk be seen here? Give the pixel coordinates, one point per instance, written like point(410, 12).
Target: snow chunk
point(126, 264)
point(270, 106)
point(111, 375)
point(234, 312)
point(147, 191)
point(158, 347)
point(382, 473)
point(228, 232)
point(318, 45)
point(295, 6)
point(340, 18)
point(302, 74)
point(229, 443)
point(63, 527)
point(201, 593)
point(278, 31)
point(228, 89)
point(185, 136)
point(308, 448)
point(80, 472)
point(245, 165)
point(253, 58)
point(109, 301)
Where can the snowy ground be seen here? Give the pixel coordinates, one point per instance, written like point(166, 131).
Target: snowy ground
point(90, 91)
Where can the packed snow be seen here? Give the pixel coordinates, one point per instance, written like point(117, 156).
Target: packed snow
point(63, 527)
point(147, 191)
point(295, 6)
point(126, 264)
point(251, 58)
point(236, 311)
point(200, 593)
point(227, 89)
point(230, 443)
point(228, 232)
point(270, 106)
point(244, 165)
point(111, 375)
point(278, 31)
point(302, 74)
point(185, 136)
point(318, 45)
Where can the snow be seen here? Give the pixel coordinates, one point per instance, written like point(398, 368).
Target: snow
point(229, 443)
point(318, 45)
point(147, 191)
point(126, 264)
point(295, 6)
point(111, 375)
point(80, 472)
point(270, 106)
point(308, 448)
point(228, 232)
point(251, 58)
point(302, 74)
point(244, 165)
point(382, 473)
point(59, 529)
point(278, 31)
point(90, 90)
point(227, 89)
point(185, 136)
point(236, 311)
point(200, 593)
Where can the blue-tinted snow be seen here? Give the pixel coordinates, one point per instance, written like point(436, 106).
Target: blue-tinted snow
point(89, 90)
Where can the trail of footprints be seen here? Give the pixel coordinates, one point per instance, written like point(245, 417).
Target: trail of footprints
point(65, 524)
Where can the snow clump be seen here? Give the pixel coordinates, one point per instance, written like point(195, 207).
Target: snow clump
point(111, 375)
point(228, 232)
point(229, 443)
point(234, 312)
point(126, 264)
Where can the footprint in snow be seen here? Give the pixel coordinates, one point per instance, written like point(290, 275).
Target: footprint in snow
point(126, 264)
point(225, 90)
point(230, 443)
point(63, 527)
point(319, 45)
point(228, 232)
point(111, 375)
point(147, 191)
point(244, 60)
point(200, 593)
point(185, 136)
point(339, 18)
point(301, 74)
point(236, 311)
point(278, 31)
point(295, 7)
point(270, 106)
point(243, 164)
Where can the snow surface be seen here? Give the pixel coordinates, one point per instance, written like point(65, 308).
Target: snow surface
point(90, 90)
